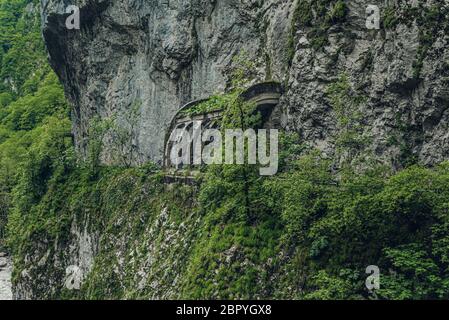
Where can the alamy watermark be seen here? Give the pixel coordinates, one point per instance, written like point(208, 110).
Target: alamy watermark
point(373, 17)
point(73, 20)
point(195, 146)
point(372, 282)
point(73, 278)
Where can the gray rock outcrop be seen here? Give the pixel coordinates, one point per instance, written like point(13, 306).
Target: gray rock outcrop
point(164, 53)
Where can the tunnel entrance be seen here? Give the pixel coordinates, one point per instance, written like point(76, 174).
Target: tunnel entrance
point(265, 96)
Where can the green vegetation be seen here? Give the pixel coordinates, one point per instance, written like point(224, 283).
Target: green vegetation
point(32, 103)
point(242, 72)
point(389, 19)
point(362, 219)
point(214, 103)
point(312, 229)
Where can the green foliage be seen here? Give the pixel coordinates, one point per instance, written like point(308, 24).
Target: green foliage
point(32, 104)
point(244, 69)
point(342, 222)
point(345, 223)
point(30, 110)
point(46, 161)
point(352, 222)
point(328, 287)
point(21, 46)
point(413, 274)
point(303, 14)
point(229, 264)
point(389, 18)
point(5, 99)
point(338, 12)
point(290, 149)
point(214, 103)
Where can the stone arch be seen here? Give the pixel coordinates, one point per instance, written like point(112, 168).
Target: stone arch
point(265, 95)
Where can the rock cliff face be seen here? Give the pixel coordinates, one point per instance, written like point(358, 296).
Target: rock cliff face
point(164, 53)
point(160, 53)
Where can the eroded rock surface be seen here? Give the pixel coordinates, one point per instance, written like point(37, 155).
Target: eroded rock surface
point(163, 54)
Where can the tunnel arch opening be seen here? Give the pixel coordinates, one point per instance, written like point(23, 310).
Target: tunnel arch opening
point(265, 95)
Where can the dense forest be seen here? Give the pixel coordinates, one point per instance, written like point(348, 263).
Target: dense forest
point(309, 232)
point(33, 110)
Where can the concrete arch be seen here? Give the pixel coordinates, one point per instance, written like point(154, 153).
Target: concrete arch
point(265, 95)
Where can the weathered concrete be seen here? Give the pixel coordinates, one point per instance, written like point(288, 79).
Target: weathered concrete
point(264, 95)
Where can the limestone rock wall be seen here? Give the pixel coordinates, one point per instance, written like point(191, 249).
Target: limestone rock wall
point(164, 53)
point(160, 53)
